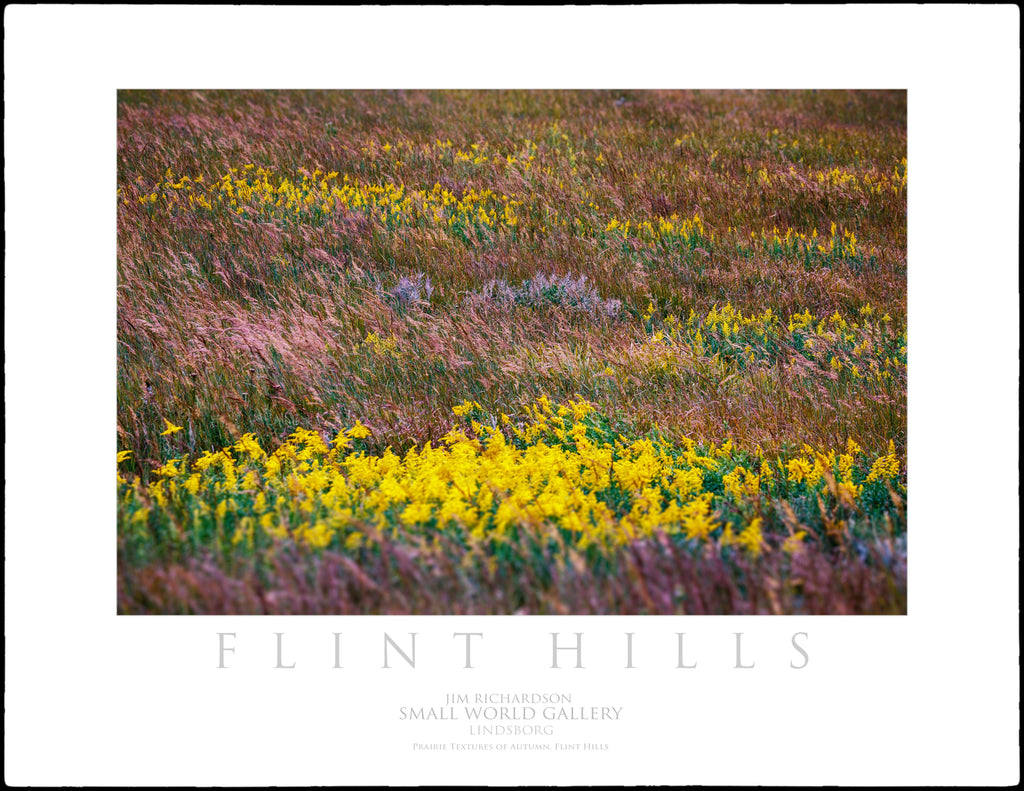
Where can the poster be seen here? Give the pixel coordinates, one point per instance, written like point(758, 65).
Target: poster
point(926, 698)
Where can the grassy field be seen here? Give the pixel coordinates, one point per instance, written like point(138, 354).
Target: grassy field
point(512, 352)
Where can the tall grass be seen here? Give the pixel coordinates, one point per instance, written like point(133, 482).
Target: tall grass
point(252, 317)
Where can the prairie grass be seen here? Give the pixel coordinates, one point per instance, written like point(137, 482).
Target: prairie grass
point(700, 268)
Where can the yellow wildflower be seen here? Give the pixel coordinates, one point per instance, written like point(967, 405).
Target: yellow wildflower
point(358, 431)
point(794, 543)
point(171, 428)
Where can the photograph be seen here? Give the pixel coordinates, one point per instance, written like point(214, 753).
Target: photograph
point(596, 352)
point(512, 396)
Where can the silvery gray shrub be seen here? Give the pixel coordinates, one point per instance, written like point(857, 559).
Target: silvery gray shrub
point(411, 291)
point(546, 290)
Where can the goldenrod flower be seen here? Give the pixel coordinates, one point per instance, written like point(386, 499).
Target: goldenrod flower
point(358, 431)
point(464, 408)
point(794, 543)
point(171, 428)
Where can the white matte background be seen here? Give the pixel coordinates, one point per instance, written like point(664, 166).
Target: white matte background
point(931, 698)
